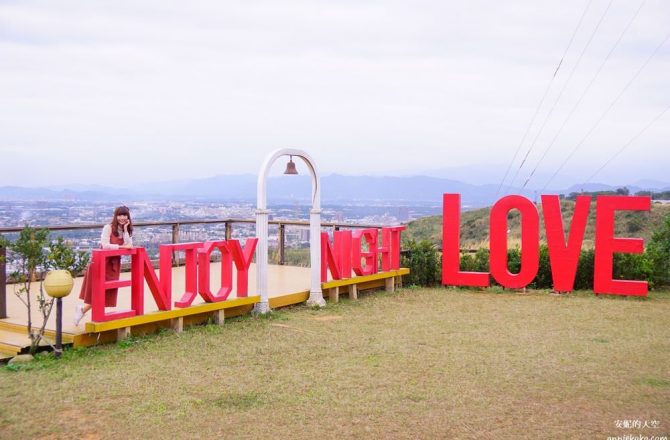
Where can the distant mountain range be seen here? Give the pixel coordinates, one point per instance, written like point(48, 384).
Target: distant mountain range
point(336, 189)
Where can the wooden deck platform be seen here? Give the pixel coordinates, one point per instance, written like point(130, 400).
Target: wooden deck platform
point(288, 285)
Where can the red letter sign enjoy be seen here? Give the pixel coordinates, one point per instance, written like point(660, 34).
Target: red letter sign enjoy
point(161, 289)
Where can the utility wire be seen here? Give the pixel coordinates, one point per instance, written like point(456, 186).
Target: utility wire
point(574, 150)
point(565, 86)
point(626, 145)
point(586, 90)
point(544, 96)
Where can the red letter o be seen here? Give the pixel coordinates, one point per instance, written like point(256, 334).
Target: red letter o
point(530, 238)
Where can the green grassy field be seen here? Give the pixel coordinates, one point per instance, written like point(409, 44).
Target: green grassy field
point(419, 363)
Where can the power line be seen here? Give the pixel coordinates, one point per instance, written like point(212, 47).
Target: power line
point(574, 150)
point(546, 92)
point(565, 86)
point(588, 87)
point(627, 144)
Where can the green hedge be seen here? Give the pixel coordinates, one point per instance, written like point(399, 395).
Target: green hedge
point(424, 261)
point(658, 254)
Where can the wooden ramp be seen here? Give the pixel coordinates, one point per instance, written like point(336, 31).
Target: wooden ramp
point(288, 285)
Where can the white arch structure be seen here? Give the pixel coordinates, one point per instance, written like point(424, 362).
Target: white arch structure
point(315, 293)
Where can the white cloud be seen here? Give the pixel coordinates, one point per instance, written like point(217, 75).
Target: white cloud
point(366, 87)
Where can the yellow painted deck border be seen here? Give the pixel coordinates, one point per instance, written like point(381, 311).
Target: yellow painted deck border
point(364, 282)
point(289, 300)
point(275, 302)
point(101, 332)
point(97, 327)
point(22, 328)
point(365, 278)
point(9, 350)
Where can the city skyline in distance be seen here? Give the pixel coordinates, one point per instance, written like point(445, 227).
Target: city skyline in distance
point(335, 189)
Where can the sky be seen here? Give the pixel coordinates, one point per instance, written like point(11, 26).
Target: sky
point(127, 92)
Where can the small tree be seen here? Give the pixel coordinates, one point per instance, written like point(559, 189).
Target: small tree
point(34, 255)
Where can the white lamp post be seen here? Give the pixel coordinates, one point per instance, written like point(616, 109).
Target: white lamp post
point(315, 293)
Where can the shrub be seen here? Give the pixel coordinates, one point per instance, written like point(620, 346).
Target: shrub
point(543, 280)
point(514, 260)
point(424, 263)
point(633, 267)
point(658, 253)
point(482, 260)
point(468, 263)
point(584, 276)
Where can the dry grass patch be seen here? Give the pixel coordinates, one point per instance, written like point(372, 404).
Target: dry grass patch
point(427, 363)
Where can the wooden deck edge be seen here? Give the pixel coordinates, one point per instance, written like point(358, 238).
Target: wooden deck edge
point(9, 349)
point(111, 336)
point(365, 278)
point(105, 332)
point(22, 328)
point(366, 282)
point(289, 300)
point(98, 327)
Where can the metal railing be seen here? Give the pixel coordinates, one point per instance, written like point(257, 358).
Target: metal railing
point(176, 226)
point(3, 283)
